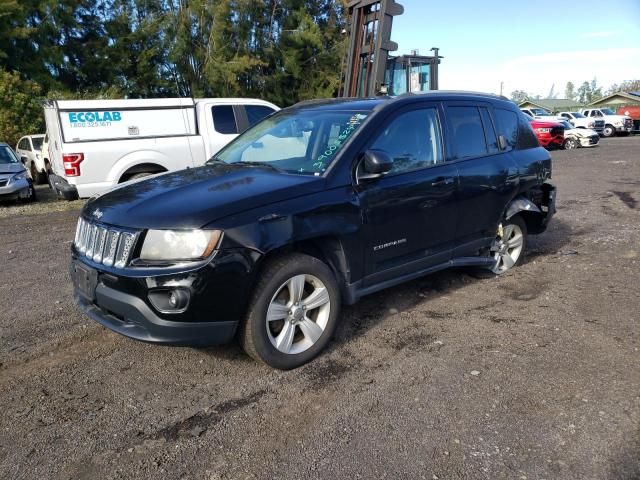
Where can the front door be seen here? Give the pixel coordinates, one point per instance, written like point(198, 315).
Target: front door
point(409, 214)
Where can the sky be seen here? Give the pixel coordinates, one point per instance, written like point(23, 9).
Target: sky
point(529, 45)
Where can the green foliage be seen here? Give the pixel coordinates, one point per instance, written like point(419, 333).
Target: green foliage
point(519, 96)
point(20, 108)
point(626, 86)
point(589, 92)
point(570, 91)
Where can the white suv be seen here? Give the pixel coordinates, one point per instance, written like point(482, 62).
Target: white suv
point(29, 149)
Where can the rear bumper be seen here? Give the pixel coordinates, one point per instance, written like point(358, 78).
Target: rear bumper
point(130, 316)
point(62, 187)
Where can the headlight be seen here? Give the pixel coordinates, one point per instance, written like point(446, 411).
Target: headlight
point(618, 123)
point(179, 244)
point(19, 176)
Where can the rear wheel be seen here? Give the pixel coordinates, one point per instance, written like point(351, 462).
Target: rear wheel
point(509, 245)
point(293, 313)
point(136, 176)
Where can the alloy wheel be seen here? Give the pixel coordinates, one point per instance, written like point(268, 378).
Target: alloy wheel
point(298, 314)
point(507, 248)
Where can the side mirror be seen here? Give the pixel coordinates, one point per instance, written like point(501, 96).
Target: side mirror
point(376, 164)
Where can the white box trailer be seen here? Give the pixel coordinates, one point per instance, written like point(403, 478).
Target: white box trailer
point(96, 144)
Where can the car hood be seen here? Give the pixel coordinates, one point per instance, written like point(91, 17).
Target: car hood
point(581, 132)
point(11, 168)
point(195, 197)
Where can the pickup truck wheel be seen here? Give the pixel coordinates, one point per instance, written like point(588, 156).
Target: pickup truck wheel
point(293, 313)
point(508, 247)
point(570, 144)
point(135, 176)
point(609, 131)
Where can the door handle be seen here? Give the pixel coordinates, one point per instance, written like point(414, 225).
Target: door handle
point(443, 181)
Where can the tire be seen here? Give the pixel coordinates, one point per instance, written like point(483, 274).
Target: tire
point(292, 337)
point(609, 131)
point(136, 176)
point(571, 143)
point(38, 178)
point(508, 250)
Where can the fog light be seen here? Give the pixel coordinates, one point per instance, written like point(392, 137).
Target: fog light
point(174, 300)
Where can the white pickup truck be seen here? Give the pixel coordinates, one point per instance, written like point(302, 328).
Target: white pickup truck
point(613, 123)
point(578, 120)
point(97, 144)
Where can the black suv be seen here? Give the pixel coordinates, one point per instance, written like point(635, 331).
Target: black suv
point(317, 205)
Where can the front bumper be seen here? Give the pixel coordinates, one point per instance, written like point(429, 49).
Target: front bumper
point(591, 141)
point(15, 190)
point(126, 301)
point(129, 316)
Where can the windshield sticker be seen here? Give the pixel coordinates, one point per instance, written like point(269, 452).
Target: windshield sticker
point(353, 123)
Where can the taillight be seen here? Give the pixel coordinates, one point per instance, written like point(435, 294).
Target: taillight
point(71, 162)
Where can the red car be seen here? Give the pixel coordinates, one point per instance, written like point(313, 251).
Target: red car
point(550, 134)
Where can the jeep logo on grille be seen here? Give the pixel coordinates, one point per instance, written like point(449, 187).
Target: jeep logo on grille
point(97, 213)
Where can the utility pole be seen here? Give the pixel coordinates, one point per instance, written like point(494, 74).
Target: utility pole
point(501, 87)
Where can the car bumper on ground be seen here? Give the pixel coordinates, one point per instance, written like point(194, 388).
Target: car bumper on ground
point(63, 188)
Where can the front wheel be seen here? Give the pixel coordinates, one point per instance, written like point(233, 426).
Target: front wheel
point(609, 131)
point(509, 245)
point(293, 313)
point(571, 143)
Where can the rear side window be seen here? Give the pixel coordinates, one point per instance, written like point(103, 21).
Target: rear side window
point(489, 132)
point(224, 119)
point(467, 131)
point(507, 125)
point(255, 113)
point(526, 137)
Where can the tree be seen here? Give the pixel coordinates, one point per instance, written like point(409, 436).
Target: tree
point(20, 107)
point(519, 96)
point(569, 91)
point(625, 86)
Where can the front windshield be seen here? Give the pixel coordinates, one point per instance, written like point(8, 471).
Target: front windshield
point(577, 115)
point(304, 142)
point(608, 111)
point(37, 143)
point(7, 155)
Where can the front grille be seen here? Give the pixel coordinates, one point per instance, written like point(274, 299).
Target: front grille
point(3, 183)
point(593, 139)
point(104, 244)
point(628, 122)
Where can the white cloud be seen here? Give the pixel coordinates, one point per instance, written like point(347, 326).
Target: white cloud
point(536, 73)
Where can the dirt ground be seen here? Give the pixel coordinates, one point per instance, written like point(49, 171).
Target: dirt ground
point(532, 375)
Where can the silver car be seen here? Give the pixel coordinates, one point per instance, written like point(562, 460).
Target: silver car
point(15, 182)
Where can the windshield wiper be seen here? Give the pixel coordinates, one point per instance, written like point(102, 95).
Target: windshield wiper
point(259, 164)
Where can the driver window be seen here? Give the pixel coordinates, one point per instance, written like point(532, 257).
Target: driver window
point(412, 140)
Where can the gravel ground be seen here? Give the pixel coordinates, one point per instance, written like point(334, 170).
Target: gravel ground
point(532, 375)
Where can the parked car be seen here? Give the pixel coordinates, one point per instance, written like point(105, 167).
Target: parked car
point(540, 114)
point(318, 205)
point(549, 134)
point(97, 144)
point(613, 123)
point(578, 137)
point(578, 120)
point(15, 182)
point(29, 150)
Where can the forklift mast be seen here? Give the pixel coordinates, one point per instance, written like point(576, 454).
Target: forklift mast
point(369, 70)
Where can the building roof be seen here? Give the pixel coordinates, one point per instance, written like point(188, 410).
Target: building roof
point(625, 97)
point(552, 103)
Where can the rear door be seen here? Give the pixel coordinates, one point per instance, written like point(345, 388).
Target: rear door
point(409, 214)
point(488, 176)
